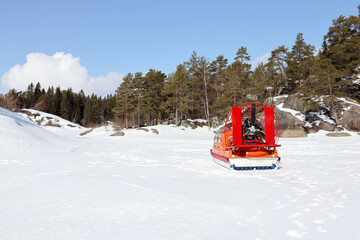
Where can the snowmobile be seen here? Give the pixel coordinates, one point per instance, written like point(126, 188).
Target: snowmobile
point(249, 138)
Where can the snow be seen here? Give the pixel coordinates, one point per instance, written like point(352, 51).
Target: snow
point(197, 120)
point(344, 100)
point(295, 113)
point(54, 185)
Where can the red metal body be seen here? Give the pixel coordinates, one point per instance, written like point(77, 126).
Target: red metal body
point(249, 139)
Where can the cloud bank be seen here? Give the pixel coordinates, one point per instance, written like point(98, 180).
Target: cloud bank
point(262, 59)
point(62, 70)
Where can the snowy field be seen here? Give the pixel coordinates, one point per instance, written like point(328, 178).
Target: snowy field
point(55, 184)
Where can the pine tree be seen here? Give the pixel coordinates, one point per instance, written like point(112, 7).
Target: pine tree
point(276, 66)
point(299, 62)
point(139, 103)
point(153, 86)
point(199, 71)
point(343, 44)
point(124, 106)
point(176, 90)
point(239, 72)
point(259, 83)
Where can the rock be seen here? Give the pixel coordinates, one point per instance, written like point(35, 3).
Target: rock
point(295, 102)
point(70, 125)
point(299, 103)
point(312, 129)
point(193, 125)
point(338, 129)
point(202, 124)
point(86, 132)
point(287, 120)
point(50, 123)
point(117, 128)
point(143, 129)
point(338, 134)
point(327, 126)
point(311, 117)
point(351, 120)
point(155, 131)
point(185, 123)
point(293, 133)
point(117, 134)
point(359, 133)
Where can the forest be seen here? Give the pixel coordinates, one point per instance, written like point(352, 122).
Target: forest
point(203, 88)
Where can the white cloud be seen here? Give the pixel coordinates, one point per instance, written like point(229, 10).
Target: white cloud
point(62, 70)
point(262, 59)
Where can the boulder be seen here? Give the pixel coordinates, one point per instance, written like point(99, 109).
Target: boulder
point(338, 134)
point(287, 120)
point(185, 123)
point(51, 124)
point(313, 129)
point(293, 133)
point(155, 131)
point(327, 126)
point(295, 102)
point(351, 120)
point(301, 104)
point(86, 132)
point(117, 134)
point(290, 125)
point(143, 129)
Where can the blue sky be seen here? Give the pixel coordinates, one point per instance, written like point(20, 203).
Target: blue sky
point(130, 36)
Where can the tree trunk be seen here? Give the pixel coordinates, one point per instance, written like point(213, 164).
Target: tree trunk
point(337, 121)
point(176, 116)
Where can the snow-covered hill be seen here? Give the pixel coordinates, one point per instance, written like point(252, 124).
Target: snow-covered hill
point(166, 186)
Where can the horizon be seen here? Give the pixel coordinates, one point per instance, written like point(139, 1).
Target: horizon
point(99, 43)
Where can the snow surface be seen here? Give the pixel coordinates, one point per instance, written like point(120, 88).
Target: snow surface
point(54, 185)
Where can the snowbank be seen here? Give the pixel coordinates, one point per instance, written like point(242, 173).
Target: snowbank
point(21, 136)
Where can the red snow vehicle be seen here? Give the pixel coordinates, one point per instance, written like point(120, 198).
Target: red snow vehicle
point(249, 138)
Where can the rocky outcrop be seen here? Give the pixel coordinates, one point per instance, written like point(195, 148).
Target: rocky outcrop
point(295, 102)
point(301, 104)
point(290, 125)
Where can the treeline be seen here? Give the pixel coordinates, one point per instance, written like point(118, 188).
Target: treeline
point(75, 107)
point(203, 88)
